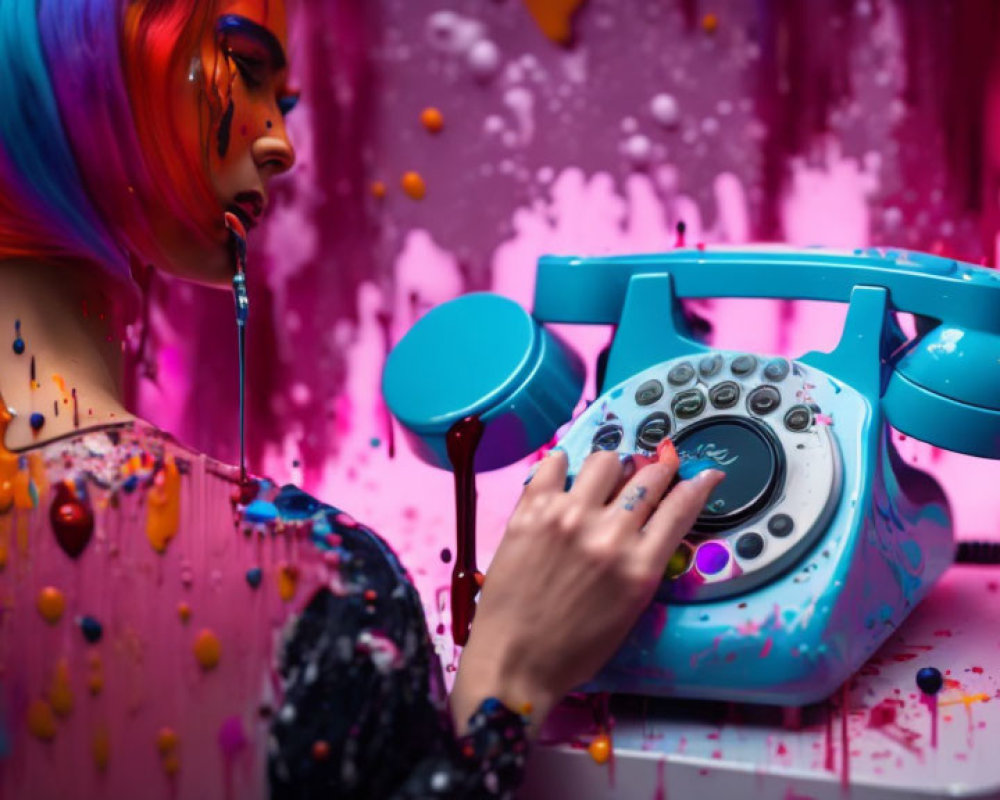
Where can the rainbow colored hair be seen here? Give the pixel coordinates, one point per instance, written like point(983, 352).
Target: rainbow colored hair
point(88, 145)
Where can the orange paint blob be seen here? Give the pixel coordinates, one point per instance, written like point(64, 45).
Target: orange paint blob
point(164, 506)
point(60, 692)
point(207, 649)
point(184, 612)
point(414, 186)
point(172, 764)
point(100, 748)
point(41, 721)
point(288, 581)
point(554, 18)
point(432, 119)
point(51, 604)
point(710, 23)
point(167, 741)
point(378, 189)
point(600, 749)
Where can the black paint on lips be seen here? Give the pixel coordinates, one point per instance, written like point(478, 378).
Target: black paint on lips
point(251, 204)
point(242, 215)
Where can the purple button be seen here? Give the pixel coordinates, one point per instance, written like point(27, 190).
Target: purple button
point(711, 558)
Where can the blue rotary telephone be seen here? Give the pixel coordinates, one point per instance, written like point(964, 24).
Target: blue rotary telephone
point(821, 539)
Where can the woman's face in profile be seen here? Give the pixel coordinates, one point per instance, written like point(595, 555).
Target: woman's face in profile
point(231, 103)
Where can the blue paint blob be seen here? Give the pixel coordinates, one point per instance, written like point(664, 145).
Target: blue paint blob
point(294, 504)
point(91, 629)
point(36, 421)
point(18, 345)
point(260, 511)
point(254, 577)
point(446, 555)
point(929, 680)
point(375, 441)
point(689, 468)
point(130, 483)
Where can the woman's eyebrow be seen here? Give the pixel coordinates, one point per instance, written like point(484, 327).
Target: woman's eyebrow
point(234, 23)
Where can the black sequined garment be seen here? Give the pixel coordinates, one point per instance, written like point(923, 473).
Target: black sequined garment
point(363, 714)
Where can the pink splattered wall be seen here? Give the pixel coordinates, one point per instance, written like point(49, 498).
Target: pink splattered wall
point(832, 122)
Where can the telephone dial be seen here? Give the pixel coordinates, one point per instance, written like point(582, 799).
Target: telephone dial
point(820, 540)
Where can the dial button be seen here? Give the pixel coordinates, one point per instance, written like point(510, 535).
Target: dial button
point(689, 404)
point(763, 400)
point(649, 392)
point(653, 430)
point(608, 437)
point(725, 394)
point(680, 374)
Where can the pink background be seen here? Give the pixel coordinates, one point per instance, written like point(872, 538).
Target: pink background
point(833, 123)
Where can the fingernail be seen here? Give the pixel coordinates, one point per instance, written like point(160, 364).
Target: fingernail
point(666, 453)
point(709, 476)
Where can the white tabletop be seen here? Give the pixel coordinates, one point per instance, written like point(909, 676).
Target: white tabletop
point(679, 749)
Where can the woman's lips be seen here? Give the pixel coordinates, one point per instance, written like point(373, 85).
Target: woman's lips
point(243, 215)
point(248, 206)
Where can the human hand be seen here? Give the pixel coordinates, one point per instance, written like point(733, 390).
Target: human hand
point(571, 576)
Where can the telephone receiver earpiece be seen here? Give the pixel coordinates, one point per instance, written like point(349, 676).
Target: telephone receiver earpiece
point(481, 355)
point(944, 389)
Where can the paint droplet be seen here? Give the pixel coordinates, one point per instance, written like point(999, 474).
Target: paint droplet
point(232, 736)
point(254, 576)
point(18, 346)
point(710, 23)
point(37, 421)
point(100, 748)
point(172, 764)
point(484, 59)
point(91, 629)
point(378, 189)
point(51, 604)
point(167, 741)
point(600, 749)
point(288, 579)
point(60, 692)
point(320, 750)
point(71, 519)
point(929, 680)
point(207, 649)
point(446, 555)
point(665, 110)
point(41, 721)
point(414, 186)
point(184, 612)
point(432, 119)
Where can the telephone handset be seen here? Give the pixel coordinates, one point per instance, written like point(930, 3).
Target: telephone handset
point(820, 540)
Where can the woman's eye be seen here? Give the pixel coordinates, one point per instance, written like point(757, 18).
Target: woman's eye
point(251, 69)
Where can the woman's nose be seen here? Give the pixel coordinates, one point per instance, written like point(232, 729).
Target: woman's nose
point(273, 153)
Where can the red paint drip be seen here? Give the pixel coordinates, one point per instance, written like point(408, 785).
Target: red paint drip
point(384, 321)
point(931, 701)
point(76, 411)
point(661, 780)
point(462, 440)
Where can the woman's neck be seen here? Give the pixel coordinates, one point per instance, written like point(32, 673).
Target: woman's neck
point(61, 336)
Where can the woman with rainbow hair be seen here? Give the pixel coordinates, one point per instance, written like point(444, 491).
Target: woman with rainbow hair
point(142, 583)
